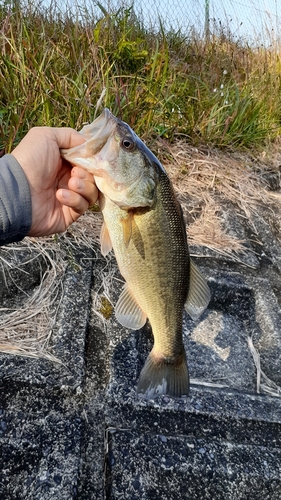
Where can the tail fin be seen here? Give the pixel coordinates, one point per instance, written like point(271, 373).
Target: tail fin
point(161, 375)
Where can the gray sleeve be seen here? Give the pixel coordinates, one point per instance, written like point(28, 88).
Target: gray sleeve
point(15, 201)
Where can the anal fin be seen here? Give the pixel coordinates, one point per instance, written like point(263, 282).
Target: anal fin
point(128, 312)
point(199, 293)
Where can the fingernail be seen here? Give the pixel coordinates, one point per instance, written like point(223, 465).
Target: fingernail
point(81, 172)
point(65, 194)
point(79, 183)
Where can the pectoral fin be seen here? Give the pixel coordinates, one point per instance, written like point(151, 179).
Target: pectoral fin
point(127, 228)
point(128, 312)
point(199, 293)
point(105, 241)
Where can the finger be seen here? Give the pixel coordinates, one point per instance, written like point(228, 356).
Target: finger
point(85, 188)
point(63, 177)
point(82, 174)
point(66, 137)
point(72, 200)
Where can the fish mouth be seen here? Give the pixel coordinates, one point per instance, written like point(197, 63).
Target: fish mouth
point(98, 132)
point(95, 134)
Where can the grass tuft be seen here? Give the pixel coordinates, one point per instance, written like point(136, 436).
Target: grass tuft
point(55, 64)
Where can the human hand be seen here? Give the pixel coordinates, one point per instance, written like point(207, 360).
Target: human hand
point(59, 193)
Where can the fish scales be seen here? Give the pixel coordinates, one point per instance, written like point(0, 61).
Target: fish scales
point(156, 263)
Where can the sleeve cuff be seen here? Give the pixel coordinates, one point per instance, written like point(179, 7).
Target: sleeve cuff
point(15, 201)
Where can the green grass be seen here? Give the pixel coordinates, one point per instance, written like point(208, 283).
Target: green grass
point(53, 69)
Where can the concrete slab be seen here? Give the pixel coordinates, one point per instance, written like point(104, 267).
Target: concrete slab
point(39, 454)
point(154, 466)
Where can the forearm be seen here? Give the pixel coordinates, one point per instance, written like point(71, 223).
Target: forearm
point(15, 201)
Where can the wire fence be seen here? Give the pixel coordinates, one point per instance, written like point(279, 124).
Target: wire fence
point(256, 21)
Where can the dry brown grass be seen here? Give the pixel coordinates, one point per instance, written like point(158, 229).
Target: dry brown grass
point(207, 178)
point(208, 173)
point(264, 384)
point(207, 231)
point(26, 328)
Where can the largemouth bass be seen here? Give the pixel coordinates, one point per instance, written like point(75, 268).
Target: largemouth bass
point(143, 223)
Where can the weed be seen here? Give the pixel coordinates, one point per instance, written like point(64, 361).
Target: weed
point(54, 67)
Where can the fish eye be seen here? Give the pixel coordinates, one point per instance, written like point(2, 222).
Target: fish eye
point(128, 143)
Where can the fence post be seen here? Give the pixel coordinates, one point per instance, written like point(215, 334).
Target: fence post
point(207, 20)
